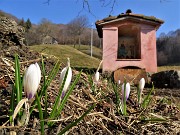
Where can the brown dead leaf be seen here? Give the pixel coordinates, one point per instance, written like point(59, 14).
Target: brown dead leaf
point(3, 83)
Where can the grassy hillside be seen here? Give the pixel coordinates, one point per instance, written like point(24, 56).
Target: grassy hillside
point(96, 52)
point(78, 59)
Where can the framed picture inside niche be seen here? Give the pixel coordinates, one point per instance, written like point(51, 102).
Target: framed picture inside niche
point(126, 48)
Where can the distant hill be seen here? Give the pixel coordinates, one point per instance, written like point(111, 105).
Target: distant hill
point(61, 26)
point(62, 33)
point(170, 34)
point(174, 33)
point(2, 13)
point(168, 48)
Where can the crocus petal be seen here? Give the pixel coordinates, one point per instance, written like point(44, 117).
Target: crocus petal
point(119, 82)
point(96, 77)
point(68, 79)
point(62, 95)
point(31, 80)
point(127, 90)
point(38, 71)
point(141, 84)
point(30, 95)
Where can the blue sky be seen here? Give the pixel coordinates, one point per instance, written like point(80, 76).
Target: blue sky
point(63, 11)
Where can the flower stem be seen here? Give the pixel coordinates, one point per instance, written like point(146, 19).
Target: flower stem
point(40, 114)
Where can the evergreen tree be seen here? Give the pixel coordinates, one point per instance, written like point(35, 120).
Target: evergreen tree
point(28, 24)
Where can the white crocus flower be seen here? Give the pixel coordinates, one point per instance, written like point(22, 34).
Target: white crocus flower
point(141, 84)
point(127, 89)
point(96, 76)
point(125, 96)
point(68, 79)
point(141, 87)
point(31, 80)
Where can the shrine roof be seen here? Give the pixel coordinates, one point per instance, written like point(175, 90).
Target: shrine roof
point(127, 16)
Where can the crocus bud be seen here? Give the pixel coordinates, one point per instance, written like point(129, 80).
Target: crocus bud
point(119, 82)
point(96, 77)
point(31, 80)
point(141, 84)
point(127, 91)
point(68, 79)
point(141, 87)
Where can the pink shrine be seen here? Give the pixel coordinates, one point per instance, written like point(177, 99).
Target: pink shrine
point(129, 40)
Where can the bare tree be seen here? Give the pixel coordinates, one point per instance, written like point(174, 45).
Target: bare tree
point(32, 36)
point(45, 27)
point(86, 5)
point(38, 32)
point(168, 48)
point(76, 27)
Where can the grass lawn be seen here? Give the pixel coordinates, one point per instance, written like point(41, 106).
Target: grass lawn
point(96, 52)
point(62, 52)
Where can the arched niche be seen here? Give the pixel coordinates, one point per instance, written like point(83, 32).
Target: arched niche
point(131, 67)
point(129, 45)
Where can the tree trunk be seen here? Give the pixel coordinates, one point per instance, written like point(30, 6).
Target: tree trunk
point(74, 42)
point(79, 42)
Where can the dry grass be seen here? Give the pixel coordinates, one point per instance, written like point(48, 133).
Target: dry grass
point(163, 68)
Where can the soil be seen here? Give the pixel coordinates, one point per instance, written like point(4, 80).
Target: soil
point(162, 116)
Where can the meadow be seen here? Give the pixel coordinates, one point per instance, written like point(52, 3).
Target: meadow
point(77, 55)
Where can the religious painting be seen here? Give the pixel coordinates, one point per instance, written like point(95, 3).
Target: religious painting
point(126, 48)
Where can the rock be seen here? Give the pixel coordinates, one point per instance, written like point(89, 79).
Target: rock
point(130, 75)
point(175, 80)
point(166, 79)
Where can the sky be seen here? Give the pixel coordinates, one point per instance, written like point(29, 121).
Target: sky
point(63, 11)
